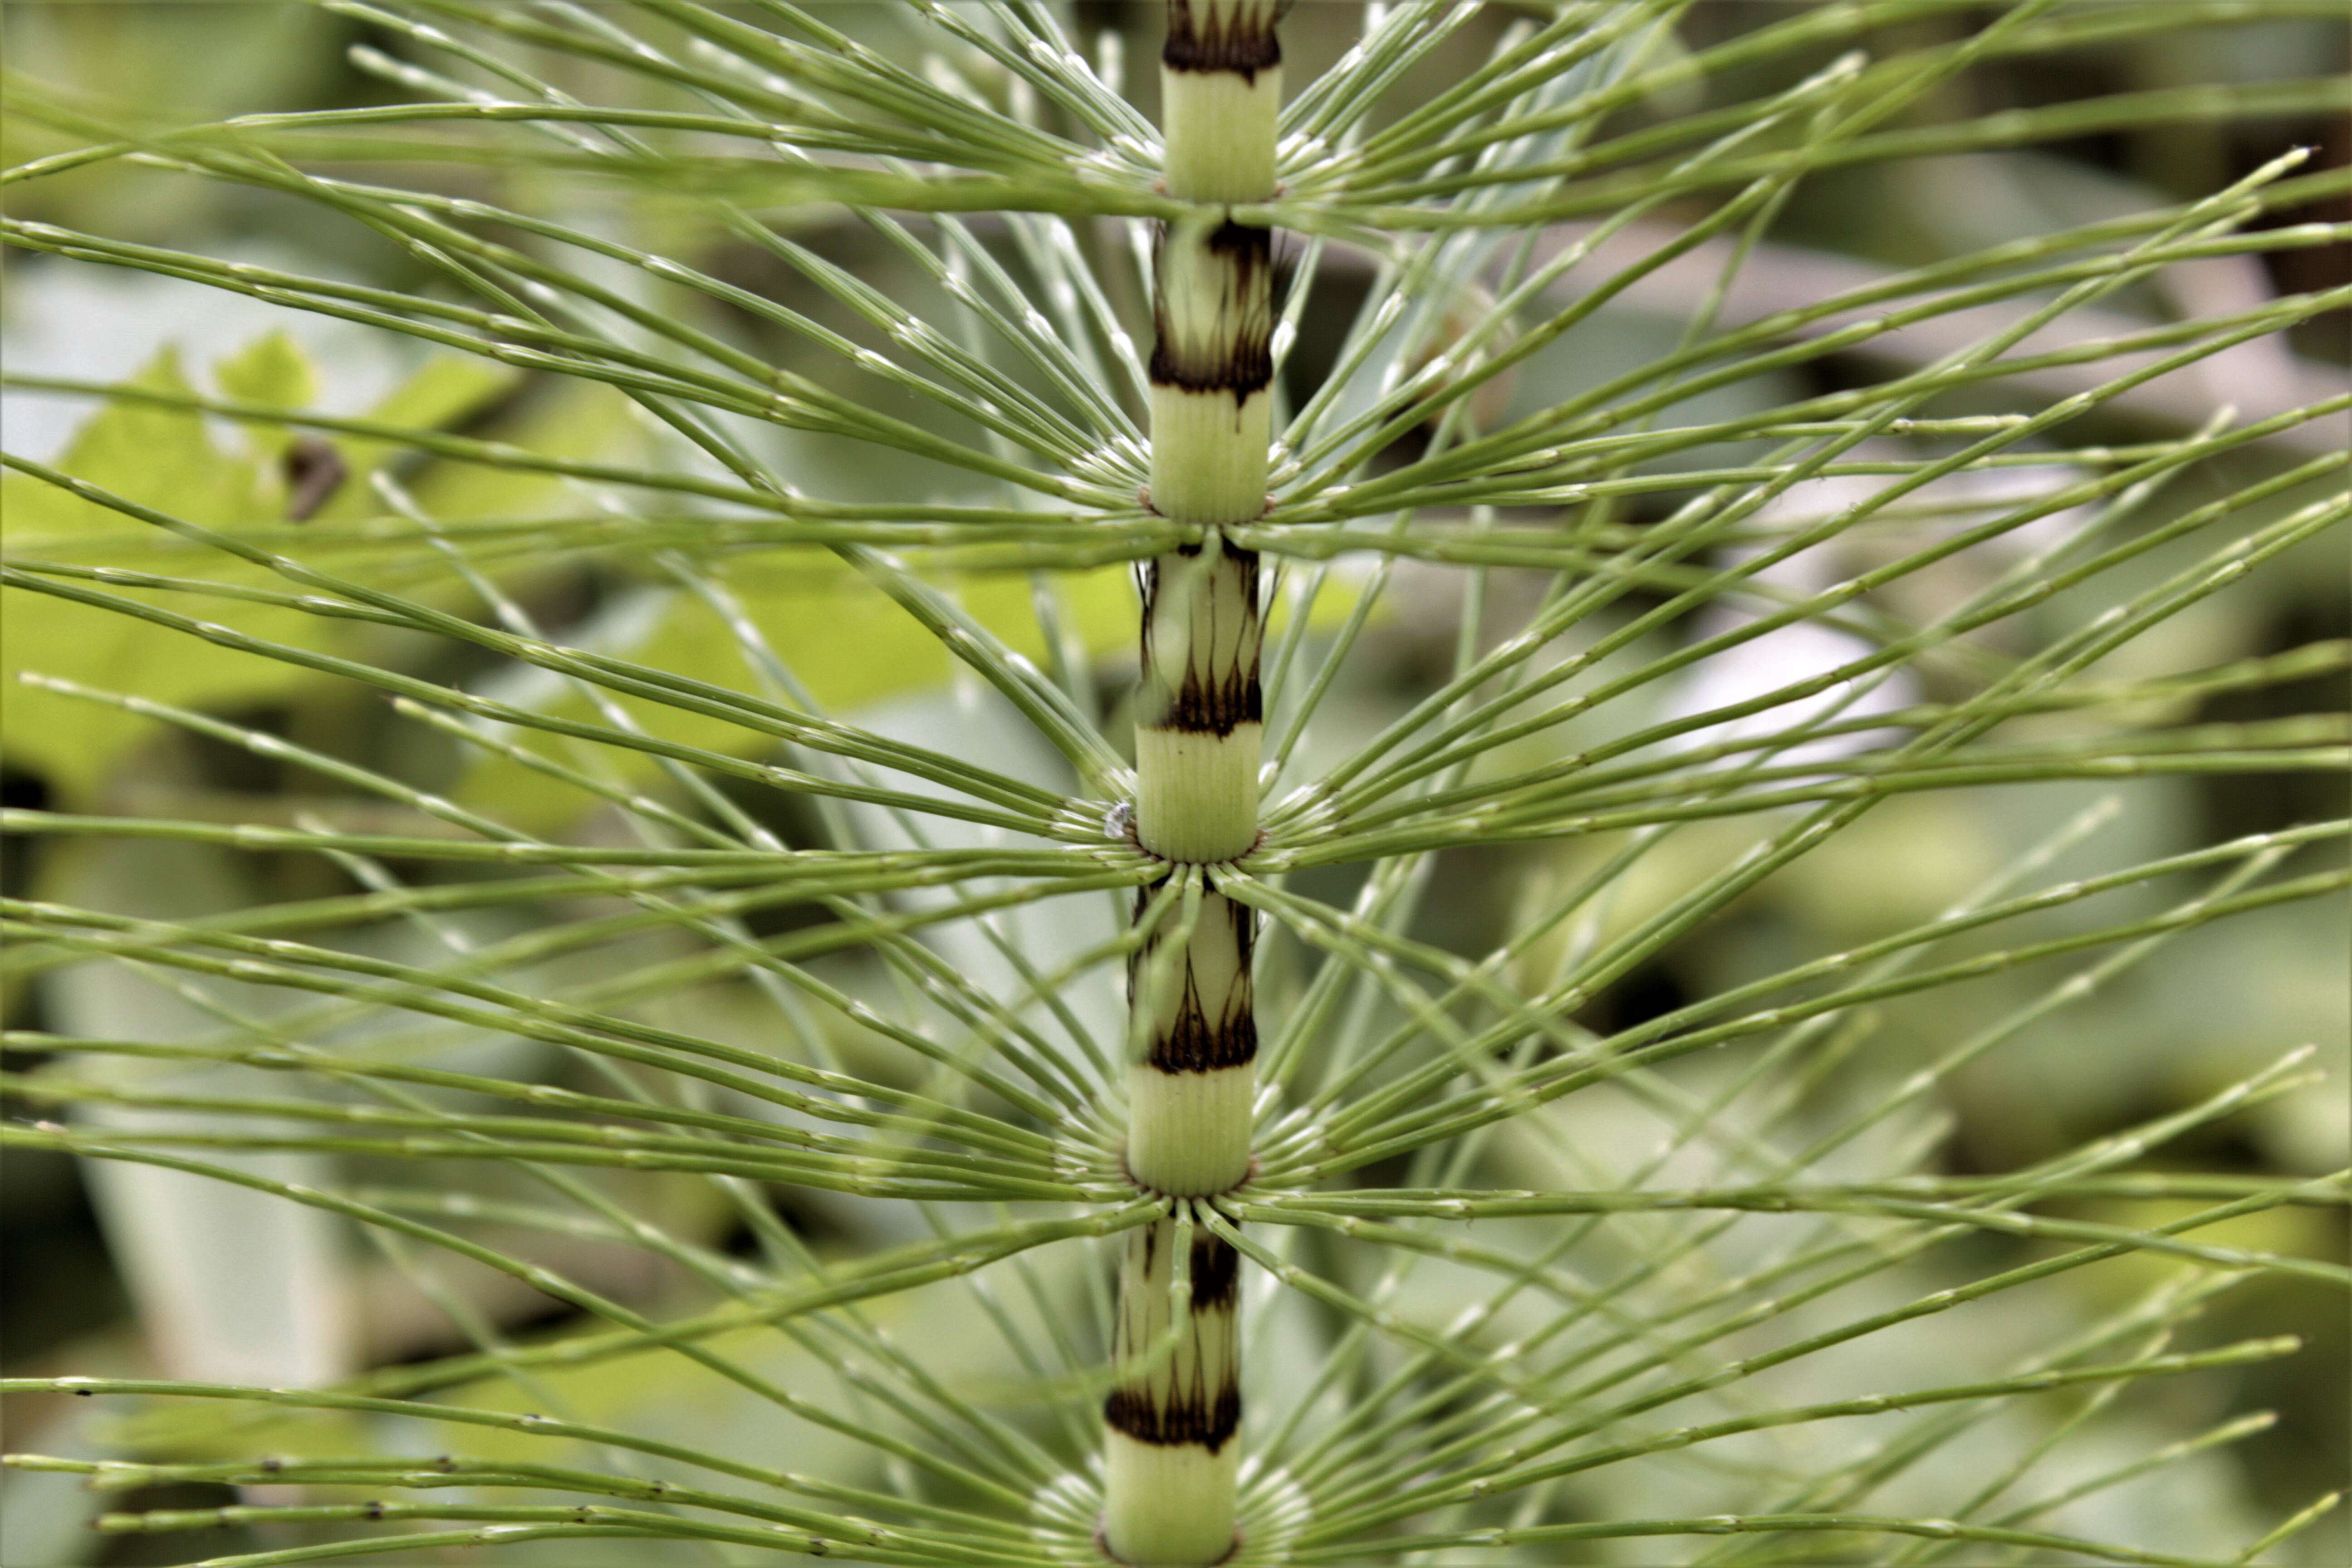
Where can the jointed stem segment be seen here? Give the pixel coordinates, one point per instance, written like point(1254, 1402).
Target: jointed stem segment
point(1173, 1446)
point(1200, 715)
point(1189, 1120)
point(1171, 1451)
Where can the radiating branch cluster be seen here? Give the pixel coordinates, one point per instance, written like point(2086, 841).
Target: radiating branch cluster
point(627, 929)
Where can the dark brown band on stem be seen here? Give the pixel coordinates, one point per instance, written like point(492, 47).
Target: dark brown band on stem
point(1204, 1035)
point(1216, 1273)
point(1205, 706)
point(1244, 41)
point(1184, 1402)
point(1197, 1417)
point(1216, 1267)
point(1244, 367)
point(1242, 362)
point(1206, 701)
point(1198, 1043)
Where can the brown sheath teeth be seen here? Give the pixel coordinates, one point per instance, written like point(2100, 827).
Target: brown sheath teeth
point(1206, 701)
point(1193, 1040)
point(1184, 1402)
point(1196, 1416)
point(1196, 1044)
point(1244, 367)
point(1204, 707)
point(1244, 41)
point(1242, 361)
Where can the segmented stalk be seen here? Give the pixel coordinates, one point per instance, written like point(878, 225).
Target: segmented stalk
point(1170, 1466)
point(1171, 1452)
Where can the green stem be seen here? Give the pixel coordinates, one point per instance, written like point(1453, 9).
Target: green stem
point(1173, 1453)
point(1170, 1456)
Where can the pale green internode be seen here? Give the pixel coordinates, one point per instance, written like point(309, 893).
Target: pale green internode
point(1221, 132)
point(1189, 1133)
point(1168, 1506)
point(1172, 1456)
point(1209, 453)
point(1196, 796)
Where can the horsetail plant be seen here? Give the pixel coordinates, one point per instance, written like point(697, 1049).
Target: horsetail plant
point(839, 356)
point(1170, 1458)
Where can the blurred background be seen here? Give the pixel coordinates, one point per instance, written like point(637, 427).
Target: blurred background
point(141, 1273)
